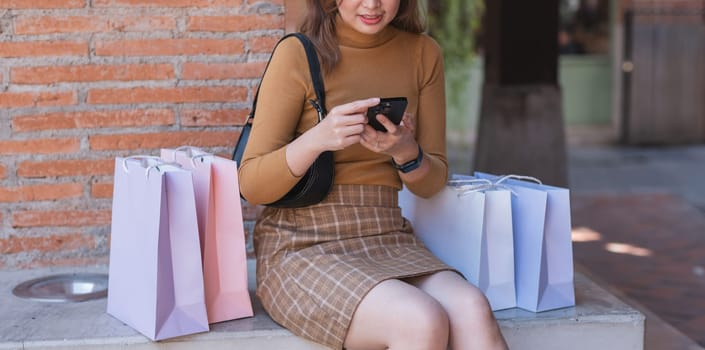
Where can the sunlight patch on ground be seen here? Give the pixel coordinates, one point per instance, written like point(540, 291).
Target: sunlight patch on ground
point(625, 248)
point(584, 234)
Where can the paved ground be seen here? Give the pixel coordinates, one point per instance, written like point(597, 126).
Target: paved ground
point(649, 246)
point(641, 215)
point(639, 225)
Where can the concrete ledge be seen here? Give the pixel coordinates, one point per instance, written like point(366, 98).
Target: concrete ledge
point(599, 321)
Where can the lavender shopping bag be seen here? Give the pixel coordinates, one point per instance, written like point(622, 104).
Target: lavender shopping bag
point(222, 234)
point(155, 280)
point(542, 243)
point(470, 229)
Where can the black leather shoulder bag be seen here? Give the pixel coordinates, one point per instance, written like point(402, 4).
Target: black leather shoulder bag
point(318, 180)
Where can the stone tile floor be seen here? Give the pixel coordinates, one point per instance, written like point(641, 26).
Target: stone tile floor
point(651, 247)
point(648, 207)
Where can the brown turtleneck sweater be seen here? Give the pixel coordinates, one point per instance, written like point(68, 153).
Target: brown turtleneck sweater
point(389, 64)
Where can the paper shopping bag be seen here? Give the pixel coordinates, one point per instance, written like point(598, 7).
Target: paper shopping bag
point(222, 233)
point(471, 232)
point(155, 282)
point(542, 242)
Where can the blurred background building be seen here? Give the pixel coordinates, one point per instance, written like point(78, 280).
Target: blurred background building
point(631, 72)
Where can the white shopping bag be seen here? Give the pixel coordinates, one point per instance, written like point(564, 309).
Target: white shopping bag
point(155, 282)
point(470, 231)
point(542, 242)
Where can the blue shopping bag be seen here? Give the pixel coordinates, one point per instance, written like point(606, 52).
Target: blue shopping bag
point(543, 250)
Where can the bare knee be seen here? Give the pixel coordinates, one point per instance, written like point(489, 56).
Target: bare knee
point(472, 306)
point(472, 323)
point(424, 323)
point(396, 315)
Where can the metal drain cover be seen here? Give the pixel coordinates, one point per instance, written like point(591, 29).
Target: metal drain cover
point(64, 288)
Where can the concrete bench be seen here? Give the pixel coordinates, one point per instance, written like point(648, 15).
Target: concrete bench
point(599, 321)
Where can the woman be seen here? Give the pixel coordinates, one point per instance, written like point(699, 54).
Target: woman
point(348, 272)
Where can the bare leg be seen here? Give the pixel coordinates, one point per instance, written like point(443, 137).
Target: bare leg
point(396, 315)
point(472, 323)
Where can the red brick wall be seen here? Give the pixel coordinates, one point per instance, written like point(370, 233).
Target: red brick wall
point(83, 81)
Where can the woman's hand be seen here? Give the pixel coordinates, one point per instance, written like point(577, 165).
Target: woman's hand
point(399, 140)
point(341, 128)
point(343, 125)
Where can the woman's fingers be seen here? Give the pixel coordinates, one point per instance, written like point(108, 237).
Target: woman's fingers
point(353, 119)
point(389, 142)
point(409, 122)
point(348, 130)
point(359, 106)
point(386, 123)
point(376, 141)
point(372, 145)
point(342, 130)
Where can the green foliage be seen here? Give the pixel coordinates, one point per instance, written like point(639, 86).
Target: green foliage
point(454, 24)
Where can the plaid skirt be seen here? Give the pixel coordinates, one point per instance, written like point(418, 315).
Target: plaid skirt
point(315, 264)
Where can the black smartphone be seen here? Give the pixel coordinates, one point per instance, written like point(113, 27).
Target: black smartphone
point(392, 107)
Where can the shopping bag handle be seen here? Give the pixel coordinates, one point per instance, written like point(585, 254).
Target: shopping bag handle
point(164, 165)
point(468, 186)
point(149, 163)
point(463, 185)
point(144, 161)
point(191, 152)
point(503, 178)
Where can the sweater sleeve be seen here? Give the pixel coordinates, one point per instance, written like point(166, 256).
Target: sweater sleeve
point(264, 174)
point(431, 121)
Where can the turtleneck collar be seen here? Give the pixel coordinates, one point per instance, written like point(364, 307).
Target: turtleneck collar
point(348, 36)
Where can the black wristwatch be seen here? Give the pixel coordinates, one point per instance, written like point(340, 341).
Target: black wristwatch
point(410, 165)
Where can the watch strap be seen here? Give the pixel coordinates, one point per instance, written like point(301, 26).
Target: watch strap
point(410, 165)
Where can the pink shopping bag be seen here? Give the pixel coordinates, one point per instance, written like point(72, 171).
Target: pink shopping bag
point(221, 230)
point(155, 282)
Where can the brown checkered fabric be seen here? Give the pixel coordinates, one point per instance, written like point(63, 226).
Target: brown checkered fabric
point(315, 264)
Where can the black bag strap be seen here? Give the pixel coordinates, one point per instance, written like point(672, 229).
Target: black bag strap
point(314, 68)
point(315, 185)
